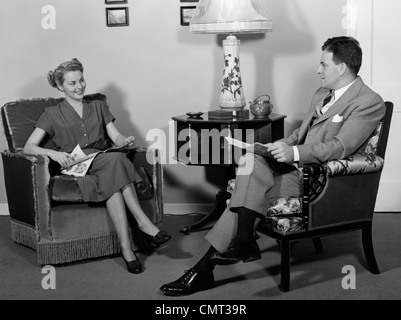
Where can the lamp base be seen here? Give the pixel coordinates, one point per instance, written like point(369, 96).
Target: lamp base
point(232, 94)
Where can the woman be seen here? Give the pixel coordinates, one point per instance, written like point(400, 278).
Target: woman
point(111, 175)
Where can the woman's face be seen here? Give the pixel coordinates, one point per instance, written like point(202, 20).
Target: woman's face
point(74, 85)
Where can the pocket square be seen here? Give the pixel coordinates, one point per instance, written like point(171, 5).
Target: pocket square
point(337, 118)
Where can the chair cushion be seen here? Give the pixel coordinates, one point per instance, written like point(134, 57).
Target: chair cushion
point(284, 224)
point(285, 206)
point(371, 146)
point(283, 215)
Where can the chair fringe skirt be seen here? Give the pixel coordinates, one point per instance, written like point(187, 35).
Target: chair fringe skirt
point(54, 252)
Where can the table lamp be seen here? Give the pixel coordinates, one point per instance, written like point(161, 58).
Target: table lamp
point(231, 17)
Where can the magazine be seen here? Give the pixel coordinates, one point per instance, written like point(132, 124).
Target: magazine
point(81, 161)
point(256, 147)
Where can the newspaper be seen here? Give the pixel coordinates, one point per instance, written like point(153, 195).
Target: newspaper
point(256, 148)
point(81, 161)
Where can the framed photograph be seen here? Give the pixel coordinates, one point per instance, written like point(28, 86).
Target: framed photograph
point(117, 17)
point(186, 14)
point(115, 1)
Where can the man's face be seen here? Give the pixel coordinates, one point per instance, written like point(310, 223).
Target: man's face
point(329, 71)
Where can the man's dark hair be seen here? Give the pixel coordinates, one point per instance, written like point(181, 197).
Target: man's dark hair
point(345, 50)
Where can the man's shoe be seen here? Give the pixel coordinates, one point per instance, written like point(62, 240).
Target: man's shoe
point(189, 283)
point(245, 250)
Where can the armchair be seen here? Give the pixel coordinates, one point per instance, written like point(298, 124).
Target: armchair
point(47, 212)
point(338, 196)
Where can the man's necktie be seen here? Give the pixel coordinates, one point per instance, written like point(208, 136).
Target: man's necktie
point(328, 98)
point(319, 106)
point(325, 101)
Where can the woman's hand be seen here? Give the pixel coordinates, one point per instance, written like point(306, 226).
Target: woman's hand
point(63, 158)
point(130, 140)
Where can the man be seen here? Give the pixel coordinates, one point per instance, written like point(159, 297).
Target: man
point(343, 114)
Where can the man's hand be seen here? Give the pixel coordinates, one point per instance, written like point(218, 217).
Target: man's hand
point(281, 151)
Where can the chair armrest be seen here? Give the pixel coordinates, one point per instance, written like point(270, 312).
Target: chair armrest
point(315, 175)
point(27, 180)
point(357, 176)
point(354, 164)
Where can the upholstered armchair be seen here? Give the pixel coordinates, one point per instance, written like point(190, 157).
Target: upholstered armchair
point(338, 196)
point(47, 212)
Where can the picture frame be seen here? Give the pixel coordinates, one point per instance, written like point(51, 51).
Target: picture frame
point(117, 16)
point(115, 1)
point(186, 13)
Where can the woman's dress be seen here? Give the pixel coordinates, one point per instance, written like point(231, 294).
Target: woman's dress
point(109, 172)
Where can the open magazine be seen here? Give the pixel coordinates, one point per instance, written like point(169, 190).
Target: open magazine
point(82, 161)
point(256, 147)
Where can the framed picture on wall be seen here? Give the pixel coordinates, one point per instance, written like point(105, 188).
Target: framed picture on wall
point(186, 14)
point(117, 17)
point(115, 1)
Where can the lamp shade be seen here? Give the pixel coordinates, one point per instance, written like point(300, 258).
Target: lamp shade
point(231, 16)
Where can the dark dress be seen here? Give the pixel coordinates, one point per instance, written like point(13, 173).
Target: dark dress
point(109, 172)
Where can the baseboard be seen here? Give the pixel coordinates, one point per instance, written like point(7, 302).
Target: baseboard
point(4, 209)
point(187, 208)
point(169, 208)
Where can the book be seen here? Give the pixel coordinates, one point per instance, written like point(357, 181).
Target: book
point(81, 161)
point(227, 115)
point(256, 147)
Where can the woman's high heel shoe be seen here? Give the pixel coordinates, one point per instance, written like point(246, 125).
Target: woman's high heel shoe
point(156, 241)
point(134, 266)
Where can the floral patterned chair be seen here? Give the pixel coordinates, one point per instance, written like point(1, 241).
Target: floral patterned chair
point(47, 212)
point(339, 196)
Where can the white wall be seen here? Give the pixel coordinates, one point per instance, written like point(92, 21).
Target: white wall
point(155, 69)
point(375, 21)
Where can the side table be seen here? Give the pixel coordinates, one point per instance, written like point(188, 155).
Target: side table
point(200, 141)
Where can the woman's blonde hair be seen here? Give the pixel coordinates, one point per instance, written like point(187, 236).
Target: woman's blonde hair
point(56, 77)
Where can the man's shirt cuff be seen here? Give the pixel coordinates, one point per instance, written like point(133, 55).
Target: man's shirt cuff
point(296, 154)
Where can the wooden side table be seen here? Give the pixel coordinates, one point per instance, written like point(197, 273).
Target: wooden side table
point(201, 141)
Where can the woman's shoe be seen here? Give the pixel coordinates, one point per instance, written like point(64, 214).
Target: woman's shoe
point(134, 266)
point(156, 241)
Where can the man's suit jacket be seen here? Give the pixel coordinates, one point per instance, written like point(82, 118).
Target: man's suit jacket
point(343, 129)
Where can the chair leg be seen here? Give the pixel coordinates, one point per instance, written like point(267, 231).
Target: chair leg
point(285, 266)
point(318, 244)
point(368, 249)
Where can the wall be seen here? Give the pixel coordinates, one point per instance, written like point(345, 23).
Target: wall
point(381, 58)
point(155, 69)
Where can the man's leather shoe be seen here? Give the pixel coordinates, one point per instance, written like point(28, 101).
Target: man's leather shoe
point(189, 283)
point(245, 250)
